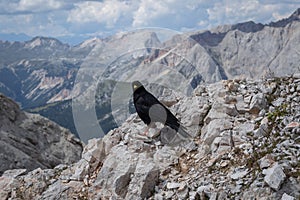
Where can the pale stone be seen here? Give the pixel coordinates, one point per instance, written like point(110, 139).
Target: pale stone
point(274, 176)
point(173, 185)
point(238, 174)
point(285, 196)
point(265, 162)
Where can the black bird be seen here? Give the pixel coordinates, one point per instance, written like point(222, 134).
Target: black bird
point(150, 110)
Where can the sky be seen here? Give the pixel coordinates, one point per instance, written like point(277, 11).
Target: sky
point(75, 20)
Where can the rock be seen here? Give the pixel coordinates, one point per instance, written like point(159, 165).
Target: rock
point(206, 189)
point(31, 141)
point(80, 170)
point(14, 173)
point(278, 101)
point(244, 128)
point(231, 86)
point(194, 195)
point(217, 111)
point(183, 193)
point(287, 197)
point(126, 174)
point(94, 152)
point(231, 110)
point(214, 196)
point(165, 157)
point(173, 185)
point(258, 102)
point(158, 197)
point(213, 129)
point(115, 174)
point(240, 105)
point(192, 111)
point(6, 185)
point(263, 128)
point(230, 99)
point(292, 125)
point(236, 189)
point(221, 144)
point(239, 173)
point(265, 161)
point(168, 136)
point(144, 179)
point(274, 176)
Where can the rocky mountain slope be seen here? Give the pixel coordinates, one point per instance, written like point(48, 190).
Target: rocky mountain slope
point(246, 145)
point(43, 71)
point(245, 49)
point(31, 141)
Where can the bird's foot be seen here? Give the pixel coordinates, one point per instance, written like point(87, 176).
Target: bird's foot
point(145, 133)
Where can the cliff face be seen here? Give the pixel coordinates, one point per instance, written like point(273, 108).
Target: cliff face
point(31, 141)
point(245, 146)
point(240, 50)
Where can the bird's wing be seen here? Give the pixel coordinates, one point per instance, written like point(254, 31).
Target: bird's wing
point(142, 109)
point(153, 108)
point(158, 113)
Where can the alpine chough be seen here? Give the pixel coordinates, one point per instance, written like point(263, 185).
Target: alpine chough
point(150, 110)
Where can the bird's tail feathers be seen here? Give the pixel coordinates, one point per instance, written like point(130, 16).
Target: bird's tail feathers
point(182, 132)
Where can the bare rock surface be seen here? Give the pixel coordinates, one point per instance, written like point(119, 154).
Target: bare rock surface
point(30, 141)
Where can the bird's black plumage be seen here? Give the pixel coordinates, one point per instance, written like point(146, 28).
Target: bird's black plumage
point(151, 110)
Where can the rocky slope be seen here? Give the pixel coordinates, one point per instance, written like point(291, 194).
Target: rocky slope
point(246, 145)
point(31, 141)
point(43, 71)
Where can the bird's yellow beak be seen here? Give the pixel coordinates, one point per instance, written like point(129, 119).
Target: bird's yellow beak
point(136, 85)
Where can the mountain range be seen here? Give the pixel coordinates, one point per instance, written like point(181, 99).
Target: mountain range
point(57, 80)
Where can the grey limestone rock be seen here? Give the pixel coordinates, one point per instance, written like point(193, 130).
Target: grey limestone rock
point(274, 176)
point(31, 141)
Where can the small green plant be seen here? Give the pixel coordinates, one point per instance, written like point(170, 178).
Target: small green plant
point(278, 112)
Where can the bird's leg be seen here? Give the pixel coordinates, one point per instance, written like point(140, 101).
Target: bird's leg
point(145, 133)
point(151, 125)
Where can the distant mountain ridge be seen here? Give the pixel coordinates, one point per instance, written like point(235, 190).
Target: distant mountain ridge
point(43, 71)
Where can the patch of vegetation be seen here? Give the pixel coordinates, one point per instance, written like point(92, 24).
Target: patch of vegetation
point(279, 112)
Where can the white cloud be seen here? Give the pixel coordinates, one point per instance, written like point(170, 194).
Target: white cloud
point(149, 10)
point(236, 11)
point(171, 12)
point(39, 5)
point(107, 12)
point(31, 6)
point(74, 17)
point(34, 24)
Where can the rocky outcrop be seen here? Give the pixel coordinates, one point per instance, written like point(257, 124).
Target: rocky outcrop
point(30, 141)
point(245, 146)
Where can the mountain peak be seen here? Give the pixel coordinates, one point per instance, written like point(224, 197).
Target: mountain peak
point(90, 42)
point(296, 13)
point(293, 17)
point(43, 41)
